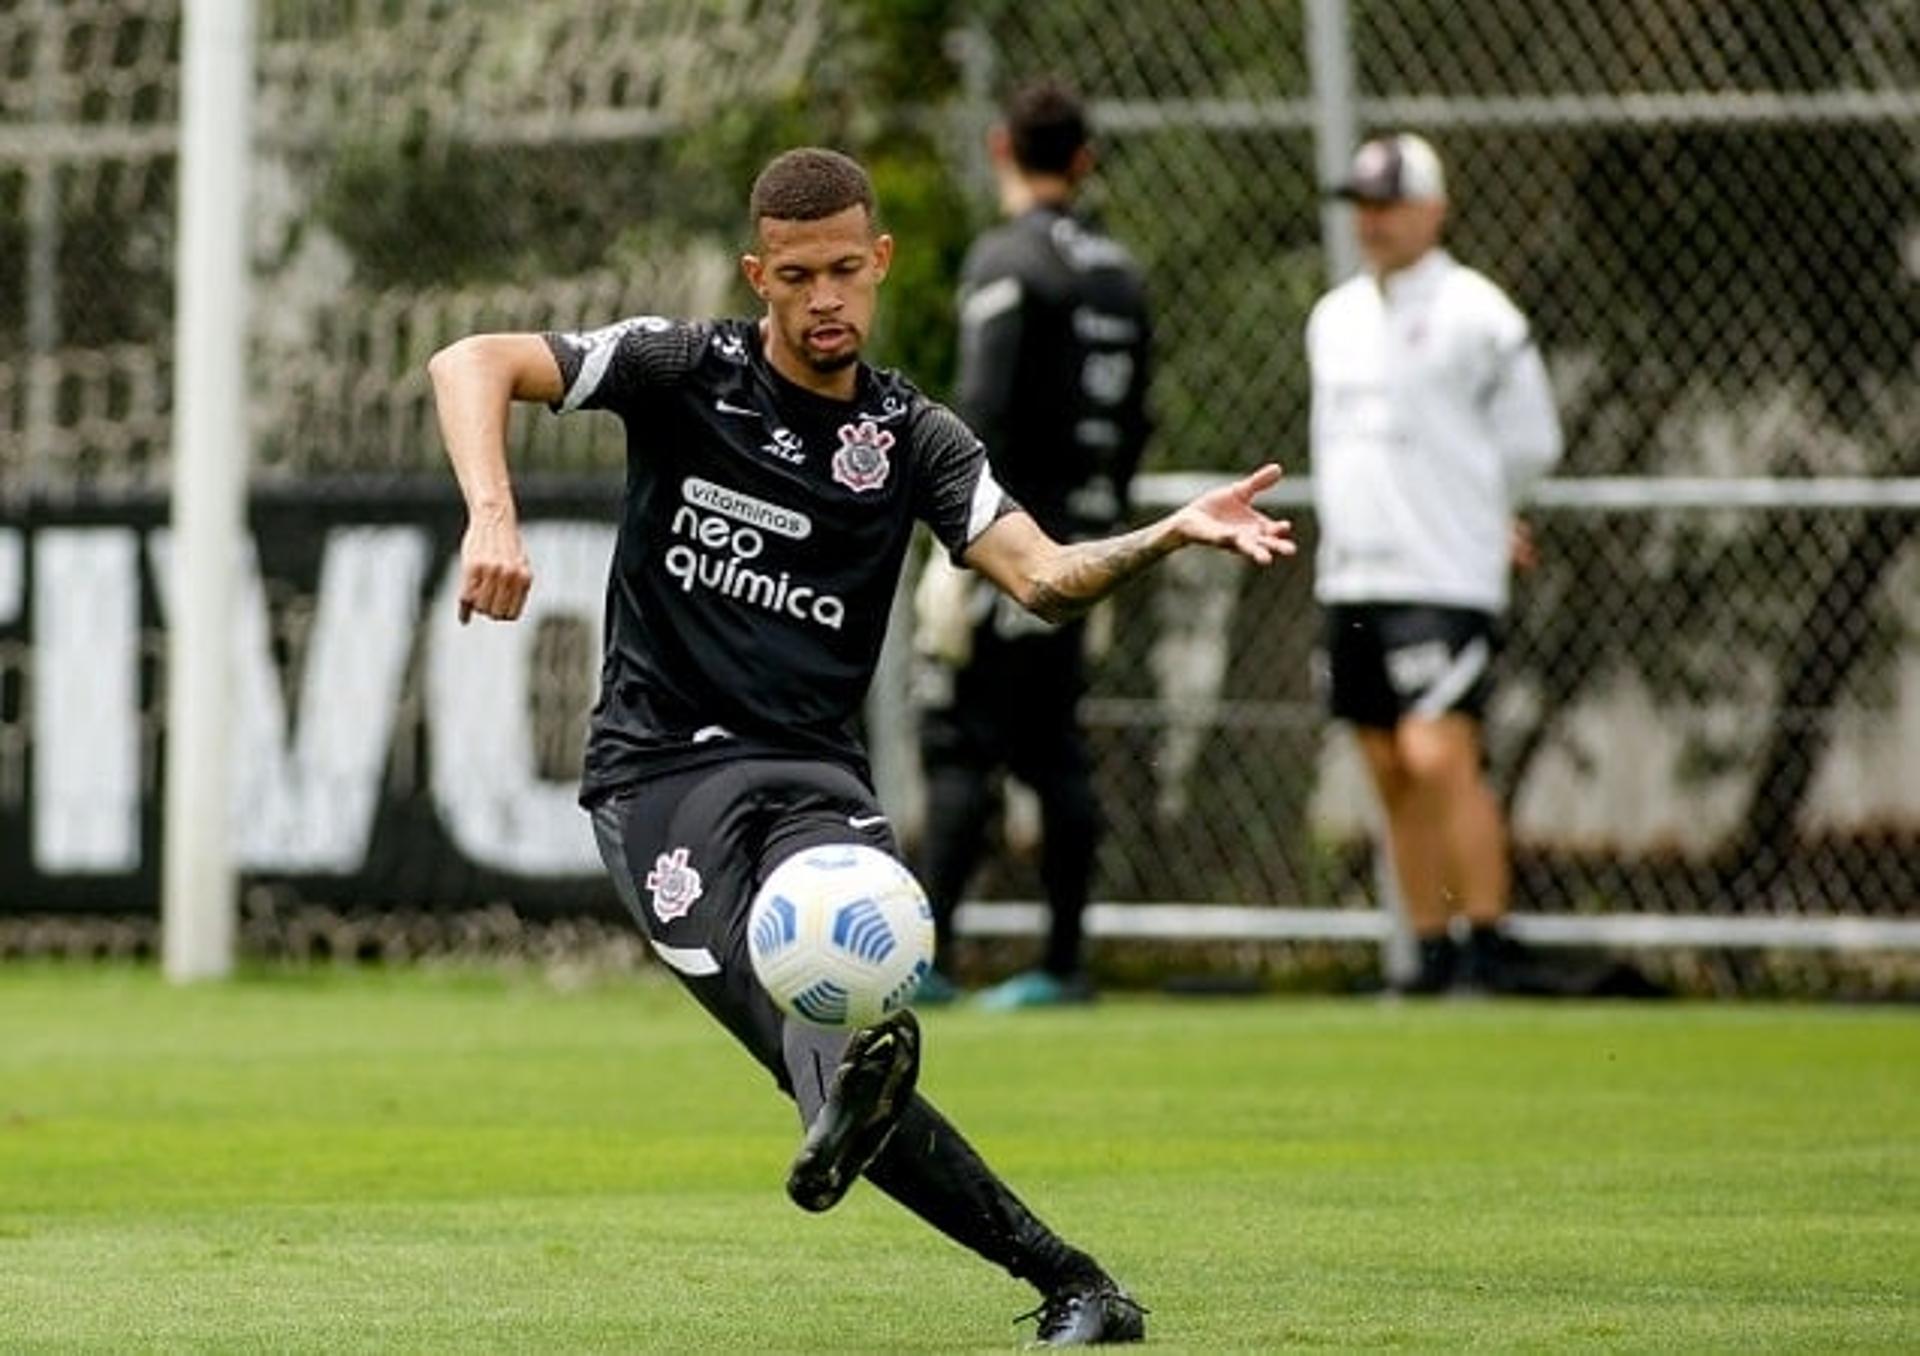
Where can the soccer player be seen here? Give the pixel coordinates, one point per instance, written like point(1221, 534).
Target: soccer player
point(1432, 418)
point(1054, 347)
point(773, 481)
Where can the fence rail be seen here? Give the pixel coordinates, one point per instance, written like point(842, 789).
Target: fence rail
point(1611, 494)
point(1189, 922)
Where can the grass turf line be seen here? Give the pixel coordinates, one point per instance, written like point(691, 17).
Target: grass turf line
point(430, 1161)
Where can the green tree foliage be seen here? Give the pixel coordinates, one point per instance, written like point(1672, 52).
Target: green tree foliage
point(877, 96)
point(416, 206)
point(419, 210)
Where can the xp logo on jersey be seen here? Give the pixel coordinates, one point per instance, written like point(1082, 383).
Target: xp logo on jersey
point(786, 445)
point(675, 884)
point(861, 463)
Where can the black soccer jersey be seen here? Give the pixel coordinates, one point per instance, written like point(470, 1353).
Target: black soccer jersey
point(1054, 348)
point(760, 544)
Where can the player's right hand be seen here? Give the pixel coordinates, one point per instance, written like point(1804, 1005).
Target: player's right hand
point(494, 574)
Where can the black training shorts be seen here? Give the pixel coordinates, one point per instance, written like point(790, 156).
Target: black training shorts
point(1387, 661)
point(687, 852)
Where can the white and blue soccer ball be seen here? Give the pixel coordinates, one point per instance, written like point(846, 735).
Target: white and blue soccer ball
point(840, 935)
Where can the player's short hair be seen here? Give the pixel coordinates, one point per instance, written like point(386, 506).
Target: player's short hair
point(807, 184)
point(1046, 126)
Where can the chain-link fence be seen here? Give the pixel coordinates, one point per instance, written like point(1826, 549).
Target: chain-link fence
point(1708, 211)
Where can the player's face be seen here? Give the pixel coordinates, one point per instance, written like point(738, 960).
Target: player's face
point(820, 280)
point(1394, 235)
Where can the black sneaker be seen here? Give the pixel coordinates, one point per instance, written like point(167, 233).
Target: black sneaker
point(1438, 959)
point(1492, 962)
point(871, 1088)
point(1088, 1312)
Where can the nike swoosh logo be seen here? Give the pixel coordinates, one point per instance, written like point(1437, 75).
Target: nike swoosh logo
point(726, 406)
point(865, 821)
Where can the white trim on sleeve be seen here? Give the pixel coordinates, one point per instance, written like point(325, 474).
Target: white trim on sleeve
point(987, 499)
point(601, 346)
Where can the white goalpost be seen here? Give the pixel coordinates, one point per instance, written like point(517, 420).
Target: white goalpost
point(198, 887)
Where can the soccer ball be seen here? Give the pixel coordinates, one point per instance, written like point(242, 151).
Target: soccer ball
point(840, 935)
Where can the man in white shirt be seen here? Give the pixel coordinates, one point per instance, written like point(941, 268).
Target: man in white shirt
point(1431, 418)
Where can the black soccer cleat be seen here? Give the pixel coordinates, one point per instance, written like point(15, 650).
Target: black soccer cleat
point(1091, 1311)
point(871, 1089)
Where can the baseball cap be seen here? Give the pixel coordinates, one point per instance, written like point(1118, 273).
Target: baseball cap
point(1394, 169)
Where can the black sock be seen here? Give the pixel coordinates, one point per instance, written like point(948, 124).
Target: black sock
point(1436, 964)
point(1486, 953)
point(930, 1168)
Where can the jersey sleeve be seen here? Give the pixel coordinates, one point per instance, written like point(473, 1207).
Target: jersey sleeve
point(992, 321)
point(1521, 411)
point(1516, 398)
point(955, 492)
point(614, 366)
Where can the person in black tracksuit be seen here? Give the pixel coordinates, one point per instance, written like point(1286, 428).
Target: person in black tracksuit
point(1055, 343)
point(773, 485)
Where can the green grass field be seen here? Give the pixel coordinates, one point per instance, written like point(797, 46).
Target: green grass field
point(422, 1162)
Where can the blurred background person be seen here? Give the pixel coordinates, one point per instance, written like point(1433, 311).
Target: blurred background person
point(1054, 354)
point(1431, 418)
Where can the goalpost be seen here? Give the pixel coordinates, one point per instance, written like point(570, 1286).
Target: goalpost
point(198, 904)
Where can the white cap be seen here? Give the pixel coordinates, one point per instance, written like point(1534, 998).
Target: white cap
point(1396, 168)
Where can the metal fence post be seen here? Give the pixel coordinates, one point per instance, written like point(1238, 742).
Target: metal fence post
point(1335, 133)
point(1335, 126)
point(43, 256)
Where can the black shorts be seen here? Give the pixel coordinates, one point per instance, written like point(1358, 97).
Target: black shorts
point(687, 852)
point(1387, 661)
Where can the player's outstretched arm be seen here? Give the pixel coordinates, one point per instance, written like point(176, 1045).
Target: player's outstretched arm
point(1059, 582)
point(475, 380)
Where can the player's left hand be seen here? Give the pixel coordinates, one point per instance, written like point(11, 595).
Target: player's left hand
point(1226, 518)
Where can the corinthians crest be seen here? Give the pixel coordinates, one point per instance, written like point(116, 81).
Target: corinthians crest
point(861, 463)
point(675, 884)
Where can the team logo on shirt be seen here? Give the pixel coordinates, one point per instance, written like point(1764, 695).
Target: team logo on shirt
point(861, 463)
point(675, 884)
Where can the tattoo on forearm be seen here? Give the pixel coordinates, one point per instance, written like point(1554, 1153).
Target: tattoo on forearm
point(1088, 571)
